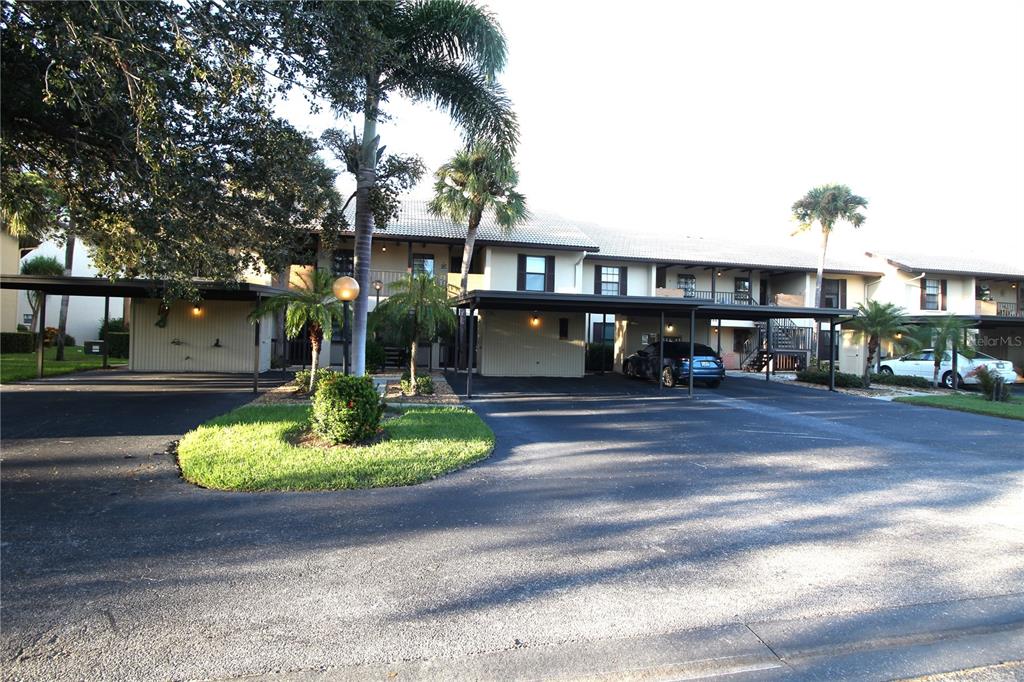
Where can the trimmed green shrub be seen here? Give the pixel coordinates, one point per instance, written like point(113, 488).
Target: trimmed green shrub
point(424, 385)
point(375, 356)
point(900, 380)
point(820, 376)
point(346, 409)
point(68, 341)
point(116, 325)
point(17, 342)
point(117, 344)
point(302, 377)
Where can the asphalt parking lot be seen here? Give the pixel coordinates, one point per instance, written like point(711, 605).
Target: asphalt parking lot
point(611, 518)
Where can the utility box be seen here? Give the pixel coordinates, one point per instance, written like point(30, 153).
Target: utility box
point(94, 347)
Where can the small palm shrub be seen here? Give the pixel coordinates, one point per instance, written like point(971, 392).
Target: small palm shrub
point(993, 386)
point(302, 378)
point(346, 409)
point(820, 376)
point(424, 385)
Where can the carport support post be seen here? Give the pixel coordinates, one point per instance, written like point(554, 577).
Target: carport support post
point(832, 354)
point(661, 352)
point(693, 333)
point(768, 347)
point(42, 333)
point(256, 355)
point(106, 330)
point(470, 324)
point(719, 334)
point(956, 384)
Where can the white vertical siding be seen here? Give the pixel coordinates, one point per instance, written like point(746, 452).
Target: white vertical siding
point(510, 346)
point(186, 344)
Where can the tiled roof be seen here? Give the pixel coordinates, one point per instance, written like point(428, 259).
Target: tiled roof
point(540, 229)
point(967, 263)
point(711, 251)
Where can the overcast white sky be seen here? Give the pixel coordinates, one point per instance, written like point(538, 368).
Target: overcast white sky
point(711, 118)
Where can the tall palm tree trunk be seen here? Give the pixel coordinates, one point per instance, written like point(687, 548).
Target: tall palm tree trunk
point(365, 182)
point(314, 360)
point(467, 250)
point(872, 349)
point(65, 300)
point(821, 267)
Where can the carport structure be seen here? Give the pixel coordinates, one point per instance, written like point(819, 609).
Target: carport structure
point(534, 303)
point(136, 289)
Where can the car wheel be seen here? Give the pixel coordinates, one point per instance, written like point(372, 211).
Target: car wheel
point(886, 370)
point(947, 380)
point(714, 384)
point(668, 378)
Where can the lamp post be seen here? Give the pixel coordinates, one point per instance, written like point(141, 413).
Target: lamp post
point(346, 290)
point(377, 286)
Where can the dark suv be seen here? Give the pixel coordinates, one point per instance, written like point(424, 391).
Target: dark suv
point(707, 366)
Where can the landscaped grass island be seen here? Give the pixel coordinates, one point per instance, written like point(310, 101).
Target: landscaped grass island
point(21, 366)
point(1013, 409)
point(255, 448)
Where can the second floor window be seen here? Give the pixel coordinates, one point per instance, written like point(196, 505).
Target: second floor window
point(688, 283)
point(933, 294)
point(741, 289)
point(536, 273)
point(423, 264)
point(343, 264)
point(610, 281)
point(833, 293)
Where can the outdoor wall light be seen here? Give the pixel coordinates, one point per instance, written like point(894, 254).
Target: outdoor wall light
point(899, 336)
point(383, 248)
point(535, 320)
point(670, 328)
point(345, 289)
point(196, 310)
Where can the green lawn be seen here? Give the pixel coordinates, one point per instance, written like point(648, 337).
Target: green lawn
point(249, 449)
point(19, 366)
point(969, 403)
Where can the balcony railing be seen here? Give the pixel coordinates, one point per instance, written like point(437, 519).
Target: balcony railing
point(1009, 310)
point(722, 297)
point(387, 278)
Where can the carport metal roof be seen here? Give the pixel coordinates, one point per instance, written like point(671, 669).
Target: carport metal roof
point(627, 305)
point(133, 288)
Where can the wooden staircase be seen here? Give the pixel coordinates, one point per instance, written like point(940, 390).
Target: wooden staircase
point(789, 347)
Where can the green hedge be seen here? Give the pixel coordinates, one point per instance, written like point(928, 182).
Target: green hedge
point(900, 380)
point(820, 376)
point(117, 343)
point(17, 342)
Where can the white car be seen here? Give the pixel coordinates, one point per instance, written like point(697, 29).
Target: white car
point(922, 364)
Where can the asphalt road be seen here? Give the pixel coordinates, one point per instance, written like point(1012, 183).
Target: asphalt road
point(608, 511)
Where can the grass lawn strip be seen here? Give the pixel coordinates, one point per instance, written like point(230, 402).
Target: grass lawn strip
point(21, 366)
point(249, 449)
point(969, 403)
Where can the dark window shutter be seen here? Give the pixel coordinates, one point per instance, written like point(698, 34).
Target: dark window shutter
point(622, 281)
point(842, 293)
point(597, 279)
point(521, 273)
point(549, 273)
point(563, 327)
point(942, 294)
point(923, 289)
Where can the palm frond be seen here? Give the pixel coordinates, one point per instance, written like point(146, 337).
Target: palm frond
point(457, 31)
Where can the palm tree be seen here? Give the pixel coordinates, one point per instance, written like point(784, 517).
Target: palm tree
point(40, 266)
point(877, 322)
point(443, 51)
point(313, 307)
point(418, 307)
point(827, 205)
point(65, 300)
point(476, 179)
point(940, 335)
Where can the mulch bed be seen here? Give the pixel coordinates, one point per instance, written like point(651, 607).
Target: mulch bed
point(442, 395)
